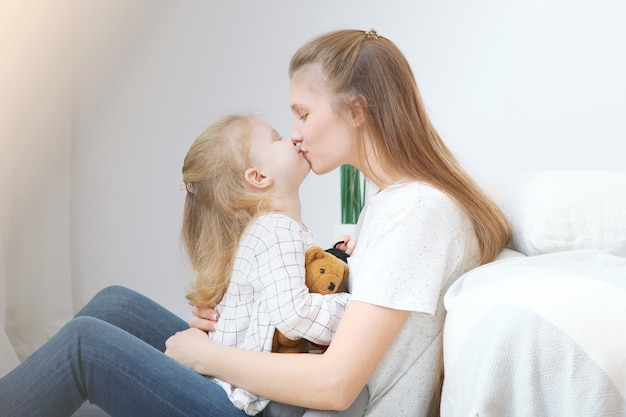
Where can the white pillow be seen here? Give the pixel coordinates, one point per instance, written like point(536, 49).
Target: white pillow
point(553, 211)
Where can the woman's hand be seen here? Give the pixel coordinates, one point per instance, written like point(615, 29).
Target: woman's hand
point(204, 319)
point(348, 243)
point(189, 348)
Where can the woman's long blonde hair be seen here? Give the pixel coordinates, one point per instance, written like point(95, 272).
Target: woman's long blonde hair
point(218, 207)
point(363, 66)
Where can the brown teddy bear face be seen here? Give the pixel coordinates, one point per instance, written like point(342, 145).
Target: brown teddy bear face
point(324, 271)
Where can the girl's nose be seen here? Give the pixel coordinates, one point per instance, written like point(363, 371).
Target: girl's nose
point(296, 138)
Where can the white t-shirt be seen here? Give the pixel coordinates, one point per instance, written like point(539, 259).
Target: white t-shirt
point(267, 291)
point(413, 242)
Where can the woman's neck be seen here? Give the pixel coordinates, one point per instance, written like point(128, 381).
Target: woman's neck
point(378, 176)
point(372, 168)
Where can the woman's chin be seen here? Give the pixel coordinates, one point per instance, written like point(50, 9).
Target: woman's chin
point(321, 169)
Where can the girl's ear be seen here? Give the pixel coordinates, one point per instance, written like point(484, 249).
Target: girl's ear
point(257, 179)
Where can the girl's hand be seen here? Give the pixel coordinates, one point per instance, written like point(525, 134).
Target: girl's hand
point(348, 245)
point(204, 319)
point(188, 348)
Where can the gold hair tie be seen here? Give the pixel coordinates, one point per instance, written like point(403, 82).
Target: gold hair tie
point(371, 34)
point(187, 186)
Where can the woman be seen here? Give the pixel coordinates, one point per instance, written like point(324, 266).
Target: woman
point(355, 101)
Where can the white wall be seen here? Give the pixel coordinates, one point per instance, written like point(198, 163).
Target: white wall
point(512, 86)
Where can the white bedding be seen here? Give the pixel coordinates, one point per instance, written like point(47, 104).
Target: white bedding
point(537, 336)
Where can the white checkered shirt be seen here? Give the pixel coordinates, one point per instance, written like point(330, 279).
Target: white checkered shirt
point(267, 291)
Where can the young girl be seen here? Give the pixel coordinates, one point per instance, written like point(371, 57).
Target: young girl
point(244, 235)
point(243, 180)
point(355, 101)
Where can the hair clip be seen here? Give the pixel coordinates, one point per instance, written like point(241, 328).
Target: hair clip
point(187, 186)
point(371, 34)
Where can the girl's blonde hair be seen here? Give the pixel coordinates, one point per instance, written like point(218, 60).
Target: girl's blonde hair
point(360, 67)
point(218, 206)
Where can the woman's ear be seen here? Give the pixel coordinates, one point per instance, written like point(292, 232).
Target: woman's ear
point(358, 104)
point(257, 179)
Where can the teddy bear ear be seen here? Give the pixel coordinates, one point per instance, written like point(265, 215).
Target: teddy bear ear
point(313, 253)
point(346, 272)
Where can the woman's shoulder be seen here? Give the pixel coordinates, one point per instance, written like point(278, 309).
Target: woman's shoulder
point(414, 194)
point(414, 203)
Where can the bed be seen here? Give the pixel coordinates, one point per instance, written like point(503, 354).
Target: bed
point(541, 331)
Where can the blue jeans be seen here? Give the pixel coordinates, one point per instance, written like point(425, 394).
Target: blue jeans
point(111, 354)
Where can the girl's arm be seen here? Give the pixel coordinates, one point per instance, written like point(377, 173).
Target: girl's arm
point(204, 318)
point(314, 317)
point(281, 289)
point(329, 381)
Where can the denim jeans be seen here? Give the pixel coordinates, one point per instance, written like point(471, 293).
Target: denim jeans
point(111, 354)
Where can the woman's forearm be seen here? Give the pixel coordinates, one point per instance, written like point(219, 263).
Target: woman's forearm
point(327, 381)
point(288, 378)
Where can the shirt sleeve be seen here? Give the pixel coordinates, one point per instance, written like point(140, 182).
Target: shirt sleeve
point(407, 253)
point(292, 309)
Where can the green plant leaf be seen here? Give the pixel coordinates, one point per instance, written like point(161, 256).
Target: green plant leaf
point(351, 196)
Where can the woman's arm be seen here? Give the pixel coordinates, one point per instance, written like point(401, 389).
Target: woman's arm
point(329, 381)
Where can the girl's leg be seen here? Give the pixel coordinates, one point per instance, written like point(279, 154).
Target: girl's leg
point(92, 359)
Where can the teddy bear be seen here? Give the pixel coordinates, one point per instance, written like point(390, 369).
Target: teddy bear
point(325, 272)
